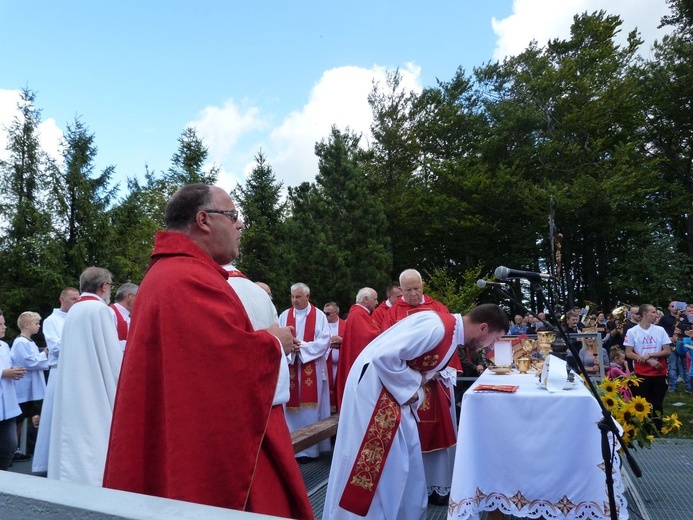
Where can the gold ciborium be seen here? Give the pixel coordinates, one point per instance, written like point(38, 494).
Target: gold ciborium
point(544, 340)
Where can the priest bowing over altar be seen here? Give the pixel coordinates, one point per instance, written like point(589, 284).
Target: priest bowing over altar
point(377, 468)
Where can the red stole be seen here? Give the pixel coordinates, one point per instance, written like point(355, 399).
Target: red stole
point(89, 298)
point(332, 381)
point(307, 397)
point(121, 324)
point(380, 432)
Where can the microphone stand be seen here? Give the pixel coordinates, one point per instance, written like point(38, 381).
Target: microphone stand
point(607, 423)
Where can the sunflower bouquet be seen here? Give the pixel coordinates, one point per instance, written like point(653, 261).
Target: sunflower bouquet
point(633, 413)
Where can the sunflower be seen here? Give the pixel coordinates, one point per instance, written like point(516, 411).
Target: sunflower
point(609, 386)
point(628, 433)
point(639, 407)
point(670, 422)
point(611, 401)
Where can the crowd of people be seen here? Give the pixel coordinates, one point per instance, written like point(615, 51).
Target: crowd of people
point(206, 360)
point(643, 340)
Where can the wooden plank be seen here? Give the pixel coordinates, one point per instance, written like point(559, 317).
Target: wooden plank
point(313, 433)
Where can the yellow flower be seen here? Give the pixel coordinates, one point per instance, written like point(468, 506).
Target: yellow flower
point(609, 386)
point(610, 401)
point(671, 422)
point(650, 438)
point(639, 407)
point(628, 433)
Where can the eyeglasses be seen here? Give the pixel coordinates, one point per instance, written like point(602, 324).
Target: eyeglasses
point(231, 213)
point(328, 313)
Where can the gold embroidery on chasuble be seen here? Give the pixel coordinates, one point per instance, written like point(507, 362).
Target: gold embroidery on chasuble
point(379, 435)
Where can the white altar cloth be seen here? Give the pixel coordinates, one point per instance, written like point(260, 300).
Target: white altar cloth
point(531, 453)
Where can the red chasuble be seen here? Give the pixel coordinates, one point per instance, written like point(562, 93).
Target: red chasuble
point(303, 390)
point(436, 429)
point(193, 417)
point(361, 329)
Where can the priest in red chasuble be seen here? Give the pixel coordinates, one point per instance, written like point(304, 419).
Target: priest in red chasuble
point(377, 464)
point(309, 399)
point(337, 327)
point(194, 418)
point(360, 330)
point(437, 414)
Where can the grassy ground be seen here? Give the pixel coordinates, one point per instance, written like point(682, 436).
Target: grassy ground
point(680, 403)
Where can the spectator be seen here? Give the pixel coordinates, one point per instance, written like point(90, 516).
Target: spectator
point(590, 356)
point(649, 347)
point(517, 328)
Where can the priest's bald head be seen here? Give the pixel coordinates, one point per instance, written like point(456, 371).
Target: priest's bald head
point(207, 216)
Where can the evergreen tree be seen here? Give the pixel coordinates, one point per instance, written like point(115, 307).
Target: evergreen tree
point(135, 221)
point(82, 199)
point(262, 253)
point(27, 246)
point(188, 161)
point(350, 246)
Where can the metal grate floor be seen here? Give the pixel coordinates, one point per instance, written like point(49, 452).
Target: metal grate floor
point(662, 493)
point(664, 490)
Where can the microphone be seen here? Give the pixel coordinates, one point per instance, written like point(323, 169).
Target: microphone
point(503, 273)
point(483, 283)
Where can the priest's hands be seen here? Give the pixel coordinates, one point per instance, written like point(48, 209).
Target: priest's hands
point(284, 335)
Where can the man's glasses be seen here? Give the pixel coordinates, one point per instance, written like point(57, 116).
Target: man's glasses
point(327, 313)
point(231, 213)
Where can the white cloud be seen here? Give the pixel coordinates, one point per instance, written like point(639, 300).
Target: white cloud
point(543, 20)
point(49, 133)
point(340, 97)
point(222, 127)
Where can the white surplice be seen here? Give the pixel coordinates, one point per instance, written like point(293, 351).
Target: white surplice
point(85, 388)
point(52, 331)
point(401, 492)
point(311, 351)
point(262, 313)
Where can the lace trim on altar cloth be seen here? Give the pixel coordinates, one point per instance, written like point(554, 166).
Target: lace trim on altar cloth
point(518, 505)
point(442, 491)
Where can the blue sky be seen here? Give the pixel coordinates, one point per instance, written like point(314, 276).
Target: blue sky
point(248, 75)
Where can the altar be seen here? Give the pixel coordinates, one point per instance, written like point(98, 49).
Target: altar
point(531, 453)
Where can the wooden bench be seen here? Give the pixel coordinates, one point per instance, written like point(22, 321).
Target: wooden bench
point(314, 433)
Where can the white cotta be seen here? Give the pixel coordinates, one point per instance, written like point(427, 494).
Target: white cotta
point(85, 389)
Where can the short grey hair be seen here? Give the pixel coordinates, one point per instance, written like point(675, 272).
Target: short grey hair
point(125, 289)
point(364, 293)
point(94, 277)
point(409, 273)
point(303, 287)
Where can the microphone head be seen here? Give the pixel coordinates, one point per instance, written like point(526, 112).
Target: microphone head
point(501, 273)
point(481, 283)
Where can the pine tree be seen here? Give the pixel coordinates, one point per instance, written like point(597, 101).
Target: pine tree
point(262, 246)
point(189, 160)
